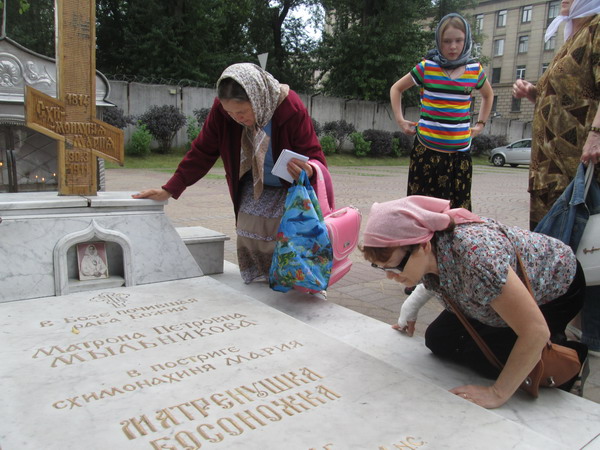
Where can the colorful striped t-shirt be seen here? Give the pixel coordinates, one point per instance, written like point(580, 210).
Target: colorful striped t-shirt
point(445, 121)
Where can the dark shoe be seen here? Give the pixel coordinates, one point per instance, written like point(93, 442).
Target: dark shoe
point(575, 385)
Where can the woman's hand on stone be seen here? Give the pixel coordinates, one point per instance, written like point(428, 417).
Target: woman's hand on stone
point(408, 329)
point(160, 195)
point(486, 396)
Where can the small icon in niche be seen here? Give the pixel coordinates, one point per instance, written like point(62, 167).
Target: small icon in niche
point(91, 257)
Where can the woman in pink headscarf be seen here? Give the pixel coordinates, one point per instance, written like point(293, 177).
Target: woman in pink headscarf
point(472, 261)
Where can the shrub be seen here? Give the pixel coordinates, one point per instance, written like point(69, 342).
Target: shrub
point(405, 143)
point(163, 123)
point(361, 146)
point(116, 118)
point(201, 115)
point(193, 129)
point(139, 144)
point(317, 126)
point(328, 144)
point(381, 142)
point(395, 147)
point(340, 129)
point(483, 143)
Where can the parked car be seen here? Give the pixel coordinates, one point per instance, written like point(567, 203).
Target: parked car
point(515, 153)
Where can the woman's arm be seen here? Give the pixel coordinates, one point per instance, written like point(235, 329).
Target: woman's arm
point(487, 100)
point(520, 311)
point(591, 148)
point(396, 91)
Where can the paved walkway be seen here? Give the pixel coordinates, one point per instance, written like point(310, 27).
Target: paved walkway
point(499, 193)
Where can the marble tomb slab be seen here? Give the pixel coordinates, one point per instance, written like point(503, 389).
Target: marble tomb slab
point(560, 416)
point(196, 364)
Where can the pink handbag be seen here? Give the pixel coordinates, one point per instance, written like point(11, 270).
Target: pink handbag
point(343, 226)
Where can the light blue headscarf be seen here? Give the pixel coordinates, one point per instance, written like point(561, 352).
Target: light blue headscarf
point(435, 54)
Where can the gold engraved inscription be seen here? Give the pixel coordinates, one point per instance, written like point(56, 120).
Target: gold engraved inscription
point(247, 407)
point(408, 443)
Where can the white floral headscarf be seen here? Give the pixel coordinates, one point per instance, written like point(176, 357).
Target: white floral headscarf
point(265, 94)
point(579, 8)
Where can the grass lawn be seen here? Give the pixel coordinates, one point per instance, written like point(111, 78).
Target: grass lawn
point(168, 163)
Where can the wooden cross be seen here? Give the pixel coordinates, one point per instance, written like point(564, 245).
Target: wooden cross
point(71, 117)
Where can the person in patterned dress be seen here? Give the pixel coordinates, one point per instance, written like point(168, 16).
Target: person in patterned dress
point(566, 128)
point(566, 121)
point(252, 120)
point(472, 261)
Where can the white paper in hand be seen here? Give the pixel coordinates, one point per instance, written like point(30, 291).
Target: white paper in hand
point(280, 167)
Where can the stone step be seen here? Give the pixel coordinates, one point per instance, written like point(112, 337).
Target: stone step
point(206, 246)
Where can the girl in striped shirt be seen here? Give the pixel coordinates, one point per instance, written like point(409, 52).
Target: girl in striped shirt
point(440, 162)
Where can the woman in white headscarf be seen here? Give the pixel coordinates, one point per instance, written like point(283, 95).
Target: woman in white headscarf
point(566, 123)
point(253, 118)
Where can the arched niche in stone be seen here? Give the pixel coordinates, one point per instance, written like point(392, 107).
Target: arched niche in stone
point(120, 261)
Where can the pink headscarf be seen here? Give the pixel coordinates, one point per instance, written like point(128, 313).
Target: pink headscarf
point(411, 220)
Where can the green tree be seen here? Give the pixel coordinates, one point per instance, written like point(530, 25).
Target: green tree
point(440, 8)
point(371, 45)
point(31, 24)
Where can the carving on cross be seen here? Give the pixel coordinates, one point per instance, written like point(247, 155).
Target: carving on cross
point(71, 118)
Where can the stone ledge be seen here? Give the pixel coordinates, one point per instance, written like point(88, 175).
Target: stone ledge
point(206, 246)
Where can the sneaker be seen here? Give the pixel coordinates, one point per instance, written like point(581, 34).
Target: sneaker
point(595, 353)
point(575, 384)
point(322, 295)
point(577, 388)
point(574, 331)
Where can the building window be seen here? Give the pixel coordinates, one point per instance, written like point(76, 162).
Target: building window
point(496, 71)
point(476, 50)
point(521, 72)
point(523, 44)
point(526, 14)
point(499, 47)
point(550, 44)
point(501, 19)
point(495, 104)
point(553, 10)
point(479, 23)
point(545, 67)
point(515, 105)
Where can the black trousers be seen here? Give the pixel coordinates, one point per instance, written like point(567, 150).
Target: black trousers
point(447, 337)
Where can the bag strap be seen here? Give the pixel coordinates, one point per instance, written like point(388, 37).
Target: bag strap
point(321, 189)
point(589, 176)
point(491, 357)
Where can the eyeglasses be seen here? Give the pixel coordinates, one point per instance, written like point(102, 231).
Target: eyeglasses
point(398, 268)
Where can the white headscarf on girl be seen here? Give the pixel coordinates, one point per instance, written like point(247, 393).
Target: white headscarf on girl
point(265, 94)
point(435, 54)
point(579, 9)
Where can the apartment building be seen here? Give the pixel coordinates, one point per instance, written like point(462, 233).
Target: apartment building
point(513, 32)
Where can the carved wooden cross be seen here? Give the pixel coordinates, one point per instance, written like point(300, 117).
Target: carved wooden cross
point(71, 118)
